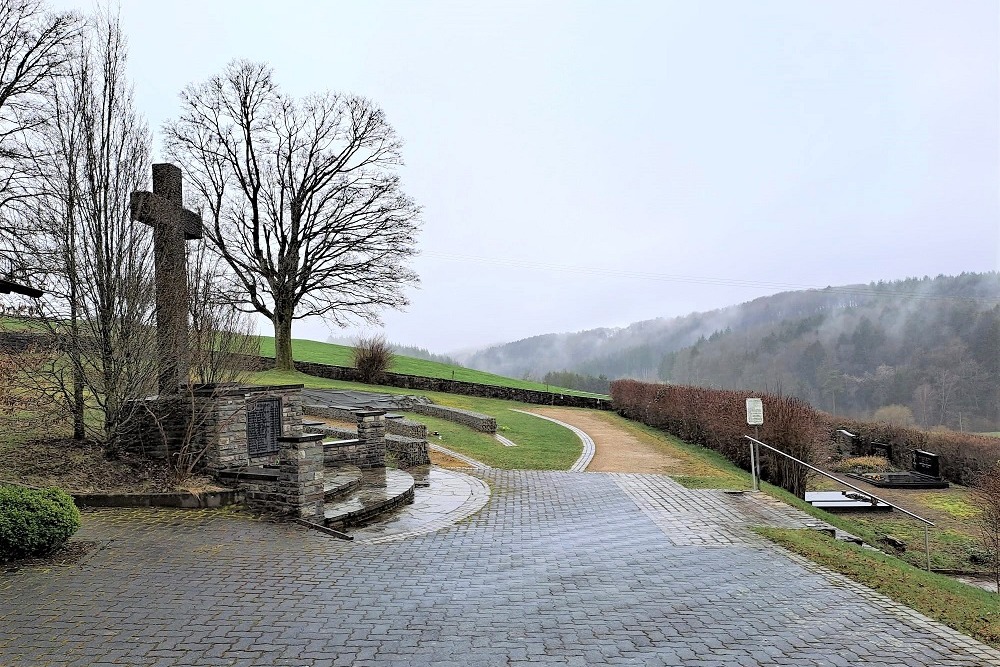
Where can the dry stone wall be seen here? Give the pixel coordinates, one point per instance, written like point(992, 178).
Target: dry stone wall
point(474, 420)
point(458, 387)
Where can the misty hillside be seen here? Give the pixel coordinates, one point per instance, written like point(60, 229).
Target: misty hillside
point(932, 345)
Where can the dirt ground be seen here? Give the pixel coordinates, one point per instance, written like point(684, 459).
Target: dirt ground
point(616, 450)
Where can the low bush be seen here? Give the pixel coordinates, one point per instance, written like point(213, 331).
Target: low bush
point(34, 522)
point(862, 464)
point(372, 357)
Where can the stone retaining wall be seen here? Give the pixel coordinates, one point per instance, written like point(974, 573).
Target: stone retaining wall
point(406, 428)
point(458, 387)
point(395, 425)
point(407, 452)
point(474, 420)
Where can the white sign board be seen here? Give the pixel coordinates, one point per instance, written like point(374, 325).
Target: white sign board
point(755, 412)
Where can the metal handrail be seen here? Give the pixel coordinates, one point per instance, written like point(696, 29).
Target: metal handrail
point(755, 463)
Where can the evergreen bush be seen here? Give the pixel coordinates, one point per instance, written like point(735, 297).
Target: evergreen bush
point(34, 522)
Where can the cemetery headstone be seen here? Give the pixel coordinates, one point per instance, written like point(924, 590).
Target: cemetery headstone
point(881, 449)
point(173, 225)
point(926, 463)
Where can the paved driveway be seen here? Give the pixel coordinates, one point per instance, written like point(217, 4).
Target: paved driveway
point(558, 568)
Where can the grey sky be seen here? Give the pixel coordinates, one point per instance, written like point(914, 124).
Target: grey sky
point(776, 143)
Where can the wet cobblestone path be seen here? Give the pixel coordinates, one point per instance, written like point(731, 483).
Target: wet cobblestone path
point(556, 568)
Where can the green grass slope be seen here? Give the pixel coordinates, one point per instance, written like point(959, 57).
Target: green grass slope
point(340, 355)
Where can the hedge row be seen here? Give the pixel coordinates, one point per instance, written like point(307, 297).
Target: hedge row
point(716, 419)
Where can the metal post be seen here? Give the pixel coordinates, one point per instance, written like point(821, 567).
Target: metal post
point(756, 435)
point(927, 548)
point(753, 466)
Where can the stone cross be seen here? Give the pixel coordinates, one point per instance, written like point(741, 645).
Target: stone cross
point(163, 210)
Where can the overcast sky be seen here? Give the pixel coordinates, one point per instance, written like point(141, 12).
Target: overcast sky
point(585, 164)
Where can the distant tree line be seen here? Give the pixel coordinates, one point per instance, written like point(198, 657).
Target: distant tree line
point(578, 381)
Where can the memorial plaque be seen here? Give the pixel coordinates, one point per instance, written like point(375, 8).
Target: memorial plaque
point(881, 449)
point(926, 463)
point(263, 426)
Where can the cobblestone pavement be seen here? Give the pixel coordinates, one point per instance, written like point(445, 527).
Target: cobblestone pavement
point(558, 568)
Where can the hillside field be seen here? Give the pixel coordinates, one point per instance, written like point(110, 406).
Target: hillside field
point(340, 355)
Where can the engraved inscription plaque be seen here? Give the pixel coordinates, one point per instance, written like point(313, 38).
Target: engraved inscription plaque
point(263, 426)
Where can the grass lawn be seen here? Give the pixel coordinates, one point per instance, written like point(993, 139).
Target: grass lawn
point(968, 609)
point(542, 445)
point(340, 355)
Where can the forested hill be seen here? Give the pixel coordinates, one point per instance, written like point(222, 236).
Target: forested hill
point(932, 345)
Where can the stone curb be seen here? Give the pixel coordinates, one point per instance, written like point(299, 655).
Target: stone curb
point(177, 499)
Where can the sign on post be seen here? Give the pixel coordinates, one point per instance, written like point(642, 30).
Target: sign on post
point(755, 412)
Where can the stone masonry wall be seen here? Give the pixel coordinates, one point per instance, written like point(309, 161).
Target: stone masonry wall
point(473, 420)
point(229, 427)
point(459, 387)
point(406, 428)
point(211, 418)
point(394, 425)
point(407, 452)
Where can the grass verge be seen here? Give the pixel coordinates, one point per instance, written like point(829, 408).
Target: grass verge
point(968, 609)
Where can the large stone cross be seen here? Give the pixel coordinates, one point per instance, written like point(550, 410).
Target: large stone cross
point(163, 210)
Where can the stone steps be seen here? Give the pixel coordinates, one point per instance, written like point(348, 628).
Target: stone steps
point(382, 490)
point(341, 482)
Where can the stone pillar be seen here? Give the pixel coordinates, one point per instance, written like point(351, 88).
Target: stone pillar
point(371, 437)
point(300, 475)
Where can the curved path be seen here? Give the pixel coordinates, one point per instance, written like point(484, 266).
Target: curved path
point(588, 443)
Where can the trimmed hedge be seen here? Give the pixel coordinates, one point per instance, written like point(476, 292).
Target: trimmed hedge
point(34, 522)
point(716, 419)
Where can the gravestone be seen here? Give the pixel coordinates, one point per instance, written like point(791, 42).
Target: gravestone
point(173, 225)
point(926, 463)
point(881, 449)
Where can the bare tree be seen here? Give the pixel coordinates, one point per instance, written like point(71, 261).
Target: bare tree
point(303, 199)
point(34, 49)
point(986, 497)
point(95, 262)
point(223, 338)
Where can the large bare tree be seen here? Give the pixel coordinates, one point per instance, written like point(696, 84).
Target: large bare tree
point(302, 195)
point(35, 46)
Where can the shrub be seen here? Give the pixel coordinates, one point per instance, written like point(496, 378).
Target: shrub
point(372, 358)
point(34, 522)
point(863, 464)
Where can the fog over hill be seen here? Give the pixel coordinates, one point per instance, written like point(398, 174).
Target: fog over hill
point(932, 345)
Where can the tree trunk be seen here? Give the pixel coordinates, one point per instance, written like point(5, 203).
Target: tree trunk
point(283, 341)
